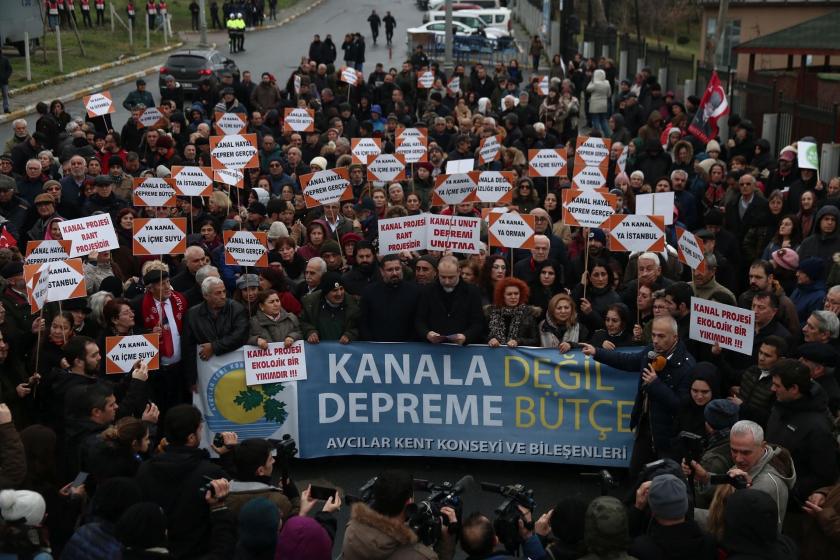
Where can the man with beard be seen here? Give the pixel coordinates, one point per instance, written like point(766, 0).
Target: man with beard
point(388, 305)
point(365, 272)
point(761, 280)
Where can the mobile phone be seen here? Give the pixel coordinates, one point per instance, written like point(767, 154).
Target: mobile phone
point(79, 480)
point(322, 492)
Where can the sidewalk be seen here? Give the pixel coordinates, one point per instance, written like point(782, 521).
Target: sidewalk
point(23, 104)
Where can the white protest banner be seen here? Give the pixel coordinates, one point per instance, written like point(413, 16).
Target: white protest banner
point(230, 123)
point(297, 84)
point(425, 79)
point(153, 191)
point(364, 150)
point(49, 250)
point(36, 277)
point(691, 250)
point(495, 186)
point(326, 187)
point(386, 168)
point(656, 204)
point(193, 181)
point(298, 120)
point(807, 156)
point(459, 166)
point(94, 233)
point(592, 162)
point(235, 151)
point(546, 162)
point(407, 233)
point(160, 236)
point(732, 328)
point(622, 159)
point(454, 85)
point(511, 229)
point(64, 280)
point(350, 76)
point(489, 149)
point(151, 118)
point(455, 189)
point(99, 104)
point(543, 86)
point(275, 364)
point(419, 132)
point(453, 233)
point(632, 232)
point(412, 148)
point(123, 352)
point(589, 208)
point(232, 177)
point(246, 248)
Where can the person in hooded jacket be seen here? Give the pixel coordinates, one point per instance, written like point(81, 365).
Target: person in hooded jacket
point(606, 531)
point(654, 162)
point(750, 531)
point(825, 241)
point(599, 92)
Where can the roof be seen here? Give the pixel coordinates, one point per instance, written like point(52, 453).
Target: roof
point(816, 36)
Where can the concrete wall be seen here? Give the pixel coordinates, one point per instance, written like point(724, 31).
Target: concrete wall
point(759, 20)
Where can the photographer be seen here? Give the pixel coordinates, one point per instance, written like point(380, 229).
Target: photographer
point(379, 531)
point(254, 462)
point(754, 464)
point(480, 542)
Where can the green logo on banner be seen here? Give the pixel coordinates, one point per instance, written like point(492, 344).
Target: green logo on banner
point(812, 157)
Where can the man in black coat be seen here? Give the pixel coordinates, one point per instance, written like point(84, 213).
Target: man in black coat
point(388, 306)
point(450, 310)
point(174, 480)
point(365, 272)
point(800, 422)
point(390, 24)
point(748, 218)
point(663, 386)
point(5, 74)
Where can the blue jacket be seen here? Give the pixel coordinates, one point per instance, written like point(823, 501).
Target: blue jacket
point(808, 298)
point(665, 395)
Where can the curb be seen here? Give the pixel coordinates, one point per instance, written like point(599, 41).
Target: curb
point(84, 71)
point(270, 26)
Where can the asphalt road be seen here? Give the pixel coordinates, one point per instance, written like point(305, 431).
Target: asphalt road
point(279, 50)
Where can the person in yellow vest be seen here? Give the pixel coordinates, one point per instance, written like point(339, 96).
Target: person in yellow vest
point(232, 32)
point(240, 27)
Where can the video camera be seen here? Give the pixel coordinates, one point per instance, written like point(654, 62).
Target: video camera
point(425, 517)
point(508, 515)
point(605, 480)
point(285, 450)
point(740, 481)
point(692, 444)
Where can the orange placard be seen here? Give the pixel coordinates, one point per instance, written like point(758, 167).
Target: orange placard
point(548, 162)
point(99, 104)
point(234, 151)
point(511, 229)
point(456, 188)
point(633, 232)
point(230, 123)
point(246, 248)
point(123, 352)
point(153, 191)
point(159, 236)
point(326, 187)
point(298, 119)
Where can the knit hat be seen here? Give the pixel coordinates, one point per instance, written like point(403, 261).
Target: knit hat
point(303, 538)
point(115, 160)
point(22, 505)
point(429, 259)
point(162, 172)
point(668, 498)
point(142, 526)
point(330, 281)
point(818, 353)
point(7, 183)
point(813, 267)
point(721, 414)
point(786, 258)
point(258, 522)
point(12, 269)
point(788, 153)
point(164, 142)
point(320, 162)
point(278, 230)
point(712, 146)
point(330, 246)
point(597, 234)
point(248, 281)
point(45, 198)
point(262, 195)
point(113, 285)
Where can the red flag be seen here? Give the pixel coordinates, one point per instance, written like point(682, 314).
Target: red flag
point(7, 239)
point(712, 107)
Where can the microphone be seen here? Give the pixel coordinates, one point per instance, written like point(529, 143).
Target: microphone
point(657, 361)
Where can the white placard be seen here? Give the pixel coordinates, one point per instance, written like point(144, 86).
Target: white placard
point(406, 233)
point(454, 233)
point(807, 155)
point(275, 364)
point(460, 166)
point(732, 328)
point(94, 233)
point(656, 204)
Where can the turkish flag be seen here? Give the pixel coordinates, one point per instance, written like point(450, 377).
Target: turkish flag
point(7, 239)
point(712, 107)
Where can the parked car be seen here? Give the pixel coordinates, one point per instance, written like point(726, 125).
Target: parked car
point(472, 20)
point(460, 28)
point(456, 7)
point(499, 18)
point(487, 4)
point(190, 66)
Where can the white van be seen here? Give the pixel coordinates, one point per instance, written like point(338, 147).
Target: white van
point(477, 19)
point(486, 4)
point(498, 18)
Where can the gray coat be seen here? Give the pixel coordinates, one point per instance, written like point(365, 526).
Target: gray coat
point(263, 326)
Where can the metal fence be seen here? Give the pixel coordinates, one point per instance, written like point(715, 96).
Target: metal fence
point(467, 49)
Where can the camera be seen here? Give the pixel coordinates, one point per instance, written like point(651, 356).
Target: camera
point(605, 480)
point(740, 481)
point(285, 450)
point(508, 515)
point(365, 494)
point(425, 518)
point(692, 444)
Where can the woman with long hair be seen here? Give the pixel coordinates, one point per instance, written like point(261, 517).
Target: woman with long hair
point(49, 353)
point(600, 294)
point(617, 331)
point(525, 196)
point(510, 320)
point(285, 252)
point(547, 284)
point(561, 329)
point(495, 268)
point(121, 449)
point(272, 323)
point(787, 236)
point(273, 278)
point(807, 212)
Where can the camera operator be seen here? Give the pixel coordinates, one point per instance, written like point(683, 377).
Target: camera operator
point(254, 462)
point(379, 531)
point(754, 464)
point(177, 480)
point(480, 542)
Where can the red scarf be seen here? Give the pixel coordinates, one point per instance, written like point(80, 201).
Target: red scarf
point(151, 316)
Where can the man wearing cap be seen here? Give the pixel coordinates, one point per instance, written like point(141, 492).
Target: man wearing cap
point(820, 359)
point(719, 416)
point(162, 310)
point(12, 207)
point(266, 95)
point(669, 530)
point(330, 251)
point(14, 298)
point(330, 313)
point(256, 217)
point(103, 199)
point(783, 177)
point(45, 213)
point(138, 97)
point(229, 103)
point(172, 91)
point(809, 293)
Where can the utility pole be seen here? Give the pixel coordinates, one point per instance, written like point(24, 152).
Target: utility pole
point(450, 38)
point(720, 33)
point(202, 25)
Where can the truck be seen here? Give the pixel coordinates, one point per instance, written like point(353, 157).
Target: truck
point(20, 16)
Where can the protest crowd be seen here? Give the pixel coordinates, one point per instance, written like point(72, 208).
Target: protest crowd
point(714, 427)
